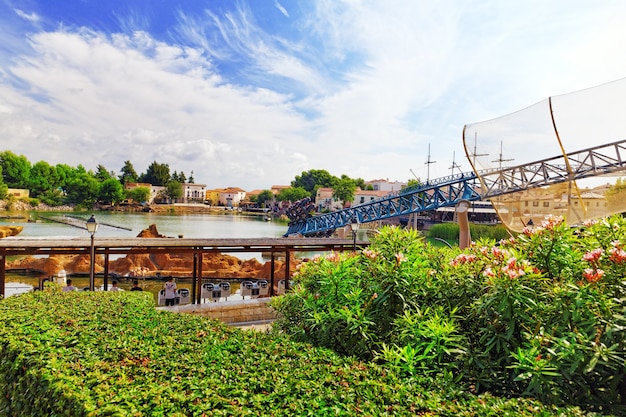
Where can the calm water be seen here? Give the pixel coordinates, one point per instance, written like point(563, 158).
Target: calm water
point(114, 224)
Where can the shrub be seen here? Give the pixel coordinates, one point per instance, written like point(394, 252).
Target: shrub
point(103, 354)
point(450, 231)
point(540, 314)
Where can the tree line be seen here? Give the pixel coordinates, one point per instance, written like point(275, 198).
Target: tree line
point(307, 184)
point(62, 184)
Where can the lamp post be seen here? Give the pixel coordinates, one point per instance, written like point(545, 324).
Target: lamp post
point(354, 226)
point(92, 226)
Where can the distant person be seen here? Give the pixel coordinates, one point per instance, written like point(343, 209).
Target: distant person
point(114, 287)
point(136, 286)
point(170, 292)
point(69, 286)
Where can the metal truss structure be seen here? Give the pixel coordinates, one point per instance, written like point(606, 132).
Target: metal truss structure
point(449, 191)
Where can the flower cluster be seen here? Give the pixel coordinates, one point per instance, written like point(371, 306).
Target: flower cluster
point(593, 256)
point(400, 257)
point(463, 258)
point(593, 275)
point(616, 253)
point(551, 221)
point(370, 254)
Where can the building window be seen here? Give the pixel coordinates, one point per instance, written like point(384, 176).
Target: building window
point(546, 204)
point(535, 203)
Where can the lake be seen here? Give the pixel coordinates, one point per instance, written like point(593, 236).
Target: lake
point(120, 224)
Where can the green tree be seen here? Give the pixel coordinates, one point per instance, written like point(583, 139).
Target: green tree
point(156, 174)
point(3, 187)
point(344, 189)
point(139, 194)
point(292, 194)
point(65, 174)
point(128, 173)
point(360, 182)
point(313, 179)
point(15, 170)
point(264, 196)
point(191, 180)
point(82, 189)
point(111, 192)
point(181, 178)
point(174, 190)
point(44, 178)
point(102, 174)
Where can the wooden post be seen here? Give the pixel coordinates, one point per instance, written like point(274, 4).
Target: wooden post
point(106, 269)
point(199, 285)
point(287, 256)
point(272, 274)
point(195, 287)
point(2, 274)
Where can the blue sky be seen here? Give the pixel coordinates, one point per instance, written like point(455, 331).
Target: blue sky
point(252, 93)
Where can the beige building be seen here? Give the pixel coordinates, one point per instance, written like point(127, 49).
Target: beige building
point(18, 193)
point(232, 196)
point(193, 193)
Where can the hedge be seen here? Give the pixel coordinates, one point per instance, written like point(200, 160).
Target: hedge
point(105, 354)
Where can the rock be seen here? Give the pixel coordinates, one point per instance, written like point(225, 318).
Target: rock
point(6, 231)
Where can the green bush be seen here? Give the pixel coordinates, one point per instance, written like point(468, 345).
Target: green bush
point(104, 354)
point(450, 232)
point(539, 315)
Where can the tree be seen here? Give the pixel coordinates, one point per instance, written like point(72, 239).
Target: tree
point(3, 187)
point(102, 174)
point(174, 190)
point(313, 179)
point(191, 180)
point(156, 174)
point(128, 173)
point(83, 189)
point(292, 194)
point(111, 192)
point(44, 178)
point(264, 196)
point(65, 173)
point(343, 189)
point(139, 194)
point(360, 182)
point(15, 170)
point(181, 178)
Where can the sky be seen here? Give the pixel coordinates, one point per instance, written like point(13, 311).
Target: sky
point(251, 93)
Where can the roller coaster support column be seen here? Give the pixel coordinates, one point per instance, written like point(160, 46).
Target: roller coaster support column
point(464, 232)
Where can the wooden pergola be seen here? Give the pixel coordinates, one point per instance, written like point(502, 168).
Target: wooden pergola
point(19, 246)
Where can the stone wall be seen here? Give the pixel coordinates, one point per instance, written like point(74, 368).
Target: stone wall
point(229, 312)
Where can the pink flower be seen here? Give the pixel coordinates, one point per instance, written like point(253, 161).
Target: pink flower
point(617, 255)
point(589, 223)
point(370, 254)
point(592, 275)
point(594, 255)
point(550, 222)
point(400, 258)
point(333, 257)
point(489, 273)
point(463, 258)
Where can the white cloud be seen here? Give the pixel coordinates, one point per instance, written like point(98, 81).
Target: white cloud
point(361, 89)
point(31, 17)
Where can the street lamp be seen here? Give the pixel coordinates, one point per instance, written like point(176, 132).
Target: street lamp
point(354, 226)
point(92, 226)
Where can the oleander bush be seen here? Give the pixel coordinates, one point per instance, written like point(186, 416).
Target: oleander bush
point(114, 354)
point(541, 315)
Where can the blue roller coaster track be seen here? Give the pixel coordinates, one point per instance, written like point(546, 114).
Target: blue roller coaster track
point(449, 191)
